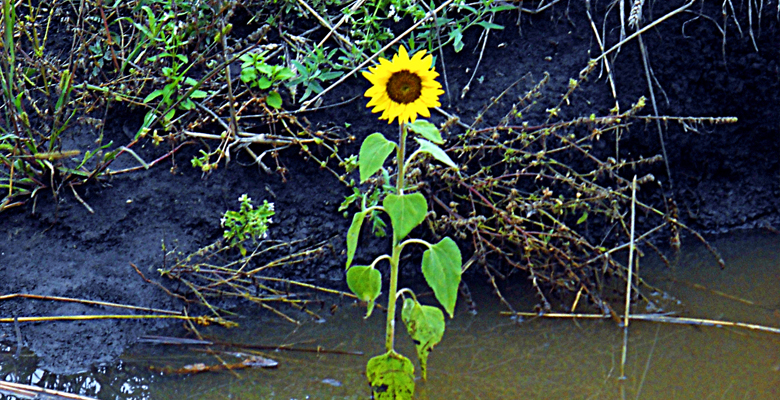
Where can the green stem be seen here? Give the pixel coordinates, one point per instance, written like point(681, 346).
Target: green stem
point(380, 258)
point(416, 152)
point(407, 290)
point(396, 257)
point(418, 241)
point(8, 21)
point(8, 76)
point(399, 182)
point(390, 328)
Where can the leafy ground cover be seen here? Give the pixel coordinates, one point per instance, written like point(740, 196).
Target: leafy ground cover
point(129, 128)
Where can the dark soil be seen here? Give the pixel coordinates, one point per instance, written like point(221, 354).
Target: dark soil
point(725, 177)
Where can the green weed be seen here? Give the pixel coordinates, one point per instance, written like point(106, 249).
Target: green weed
point(257, 73)
point(247, 224)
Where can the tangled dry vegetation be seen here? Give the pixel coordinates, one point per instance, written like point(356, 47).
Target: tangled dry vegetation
point(533, 194)
point(68, 66)
point(540, 198)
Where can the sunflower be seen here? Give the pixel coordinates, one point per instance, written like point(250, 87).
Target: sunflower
point(403, 87)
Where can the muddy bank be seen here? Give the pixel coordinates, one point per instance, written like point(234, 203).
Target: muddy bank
point(725, 177)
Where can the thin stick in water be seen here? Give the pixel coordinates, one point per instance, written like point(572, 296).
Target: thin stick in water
point(628, 282)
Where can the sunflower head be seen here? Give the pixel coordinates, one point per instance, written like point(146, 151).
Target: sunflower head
point(403, 87)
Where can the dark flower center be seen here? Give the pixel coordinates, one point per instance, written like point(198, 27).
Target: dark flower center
point(404, 87)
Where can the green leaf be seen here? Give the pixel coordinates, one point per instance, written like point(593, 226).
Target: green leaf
point(426, 130)
point(149, 118)
point(502, 8)
point(265, 68)
point(187, 104)
point(457, 40)
point(468, 8)
point(306, 94)
point(489, 25)
point(168, 90)
point(274, 99)
point(263, 83)
point(436, 152)
point(327, 76)
point(365, 282)
point(284, 73)
point(406, 212)
point(248, 75)
point(425, 324)
point(391, 377)
point(353, 234)
point(247, 59)
point(155, 94)
point(583, 218)
point(373, 153)
point(441, 266)
point(300, 69)
point(315, 87)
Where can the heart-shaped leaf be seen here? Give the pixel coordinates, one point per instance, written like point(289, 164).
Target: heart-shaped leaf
point(264, 83)
point(391, 377)
point(353, 234)
point(425, 324)
point(406, 212)
point(441, 266)
point(436, 152)
point(365, 282)
point(426, 130)
point(373, 153)
point(274, 99)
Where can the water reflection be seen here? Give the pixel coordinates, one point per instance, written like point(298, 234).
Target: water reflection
point(487, 356)
point(117, 381)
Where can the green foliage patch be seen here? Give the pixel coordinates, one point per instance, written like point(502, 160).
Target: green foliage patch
point(248, 223)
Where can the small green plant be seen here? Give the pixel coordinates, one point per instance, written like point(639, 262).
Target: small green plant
point(257, 73)
point(368, 199)
point(410, 90)
point(249, 223)
point(313, 69)
point(170, 35)
point(175, 79)
point(203, 162)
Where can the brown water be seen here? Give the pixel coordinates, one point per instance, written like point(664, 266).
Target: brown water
point(488, 356)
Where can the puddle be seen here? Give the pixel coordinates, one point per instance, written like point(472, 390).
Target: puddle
point(488, 356)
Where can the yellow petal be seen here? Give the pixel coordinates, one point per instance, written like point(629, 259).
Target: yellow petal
point(427, 61)
point(403, 54)
point(424, 111)
point(419, 56)
point(376, 90)
point(381, 102)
